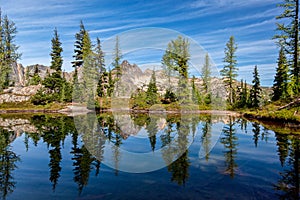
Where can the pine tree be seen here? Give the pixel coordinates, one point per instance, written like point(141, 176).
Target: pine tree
point(289, 37)
point(56, 57)
point(229, 72)
point(255, 92)
point(151, 93)
point(280, 86)
point(206, 74)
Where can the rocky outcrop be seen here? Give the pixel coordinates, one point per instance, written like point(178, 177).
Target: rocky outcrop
point(20, 75)
point(18, 94)
point(18, 126)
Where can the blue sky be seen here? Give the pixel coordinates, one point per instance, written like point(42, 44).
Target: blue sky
point(210, 23)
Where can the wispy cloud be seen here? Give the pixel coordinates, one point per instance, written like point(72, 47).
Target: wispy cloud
point(210, 23)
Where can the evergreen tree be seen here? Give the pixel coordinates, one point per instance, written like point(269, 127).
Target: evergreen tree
point(8, 164)
point(36, 79)
point(242, 95)
point(99, 54)
point(87, 51)
point(206, 74)
point(78, 62)
point(280, 86)
point(255, 92)
point(229, 72)
point(8, 50)
point(78, 54)
point(151, 93)
point(76, 87)
point(100, 65)
point(195, 92)
point(245, 94)
point(176, 59)
point(54, 81)
point(90, 72)
point(176, 56)
point(102, 84)
point(117, 67)
point(169, 96)
point(117, 58)
point(229, 140)
point(66, 91)
point(56, 57)
point(111, 84)
point(256, 132)
point(2, 55)
point(289, 37)
point(55, 86)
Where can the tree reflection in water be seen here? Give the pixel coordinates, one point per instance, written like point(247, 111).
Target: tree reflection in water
point(8, 160)
point(229, 140)
point(169, 133)
point(289, 155)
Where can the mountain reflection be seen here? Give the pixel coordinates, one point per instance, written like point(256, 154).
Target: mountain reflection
point(172, 134)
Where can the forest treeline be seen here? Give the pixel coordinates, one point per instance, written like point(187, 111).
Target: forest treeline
point(98, 83)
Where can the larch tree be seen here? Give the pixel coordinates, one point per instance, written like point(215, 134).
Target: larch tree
point(177, 55)
point(281, 81)
point(175, 59)
point(117, 58)
point(255, 92)
point(229, 72)
point(117, 66)
point(206, 73)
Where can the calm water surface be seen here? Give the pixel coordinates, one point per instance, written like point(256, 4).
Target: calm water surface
point(86, 157)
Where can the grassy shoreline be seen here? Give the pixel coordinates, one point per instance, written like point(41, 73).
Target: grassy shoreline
point(268, 113)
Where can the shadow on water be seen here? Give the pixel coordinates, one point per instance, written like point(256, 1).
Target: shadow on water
point(70, 152)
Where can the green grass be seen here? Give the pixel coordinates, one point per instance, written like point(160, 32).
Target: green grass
point(271, 112)
point(19, 106)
